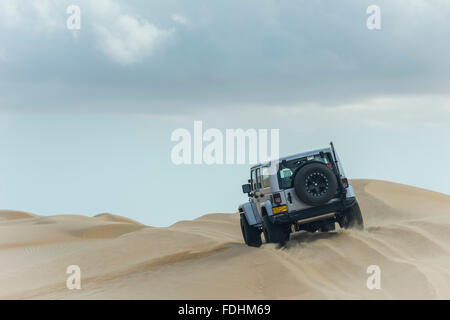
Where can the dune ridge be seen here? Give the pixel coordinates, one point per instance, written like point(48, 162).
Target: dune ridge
point(407, 236)
point(116, 218)
point(15, 214)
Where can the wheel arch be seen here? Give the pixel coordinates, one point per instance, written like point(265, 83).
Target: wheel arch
point(248, 210)
point(266, 208)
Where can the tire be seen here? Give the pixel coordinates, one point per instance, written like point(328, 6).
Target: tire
point(327, 228)
point(352, 218)
point(275, 233)
point(315, 184)
point(251, 235)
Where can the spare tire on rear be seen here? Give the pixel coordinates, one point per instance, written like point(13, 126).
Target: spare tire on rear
point(315, 184)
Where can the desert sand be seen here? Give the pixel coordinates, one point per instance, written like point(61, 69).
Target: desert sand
point(407, 235)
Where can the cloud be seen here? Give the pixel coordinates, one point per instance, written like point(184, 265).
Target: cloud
point(128, 40)
point(122, 35)
point(46, 12)
point(9, 13)
point(119, 33)
point(395, 111)
point(179, 19)
point(105, 9)
point(35, 16)
point(272, 53)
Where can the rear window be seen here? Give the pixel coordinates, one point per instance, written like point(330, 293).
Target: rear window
point(265, 177)
point(289, 168)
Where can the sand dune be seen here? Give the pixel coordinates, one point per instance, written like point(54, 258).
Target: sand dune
point(14, 214)
point(407, 236)
point(115, 218)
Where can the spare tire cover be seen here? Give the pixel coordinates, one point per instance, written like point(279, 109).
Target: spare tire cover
point(315, 184)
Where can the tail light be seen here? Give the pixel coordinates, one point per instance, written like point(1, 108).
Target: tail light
point(277, 198)
point(345, 183)
point(330, 165)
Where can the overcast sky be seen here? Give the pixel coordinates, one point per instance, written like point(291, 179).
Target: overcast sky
point(86, 115)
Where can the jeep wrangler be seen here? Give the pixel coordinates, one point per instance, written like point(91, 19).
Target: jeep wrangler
point(307, 191)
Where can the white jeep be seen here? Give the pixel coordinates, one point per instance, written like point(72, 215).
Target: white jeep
point(307, 191)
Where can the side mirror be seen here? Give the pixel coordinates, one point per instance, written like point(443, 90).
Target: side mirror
point(246, 188)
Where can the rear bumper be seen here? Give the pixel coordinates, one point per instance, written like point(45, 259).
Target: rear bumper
point(313, 212)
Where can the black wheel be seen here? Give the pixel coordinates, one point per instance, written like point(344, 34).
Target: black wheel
point(275, 233)
point(315, 184)
point(251, 235)
point(328, 227)
point(352, 218)
point(310, 229)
